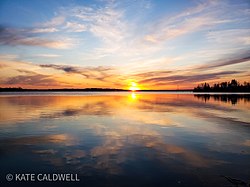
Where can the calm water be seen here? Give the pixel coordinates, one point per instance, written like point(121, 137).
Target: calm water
point(126, 139)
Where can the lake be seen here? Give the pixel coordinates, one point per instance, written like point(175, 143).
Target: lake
point(127, 139)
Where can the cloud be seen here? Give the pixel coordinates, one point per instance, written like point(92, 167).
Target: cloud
point(65, 68)
point(190, 76)
point(105, 23)
point(27, 80)
point(134, 37)
point(8, 56)
point(16, 73)
point(238, 37)
point(44, 30)
point(224, 62)
point(187, 79)
point(99, 73)
point(75, 27)
point(15, 37)
point(184, 27)
point(47, 55)
point(195, 73)
point(205, 16)
point(188, 21)
point(56, 21)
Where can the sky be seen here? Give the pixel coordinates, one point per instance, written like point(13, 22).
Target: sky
point(153, 44)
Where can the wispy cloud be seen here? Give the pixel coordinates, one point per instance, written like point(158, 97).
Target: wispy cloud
point(8, 56)
point(55, 21)
point(44, 30)
point(65, 68)
point(47, 55)
point(75, 27)
point(99, 73)
point(212, 71)
point(189, 21)
point(16, 73)
point(14, 37)
point(27, 80)
point(105, 23)
point(230, 37)
point(172, 31)
point(187, 79)
point(222, 63)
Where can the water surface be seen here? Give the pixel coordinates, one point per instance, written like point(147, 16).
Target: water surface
point(126, 139)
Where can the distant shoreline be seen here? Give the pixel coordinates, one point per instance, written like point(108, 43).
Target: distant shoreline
point(86, 90)
point(110, 90)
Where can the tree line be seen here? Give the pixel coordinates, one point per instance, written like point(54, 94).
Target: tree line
point(231, 86)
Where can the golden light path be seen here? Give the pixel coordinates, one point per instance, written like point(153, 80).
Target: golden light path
point(133, 96)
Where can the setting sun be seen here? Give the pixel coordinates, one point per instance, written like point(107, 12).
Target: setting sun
point(133, 86)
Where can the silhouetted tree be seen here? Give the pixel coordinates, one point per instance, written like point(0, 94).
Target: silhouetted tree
point(231, 86)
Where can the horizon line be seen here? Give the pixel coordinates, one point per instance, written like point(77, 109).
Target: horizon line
point(86, 89)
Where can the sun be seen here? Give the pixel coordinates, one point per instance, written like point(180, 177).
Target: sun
point(133, 86)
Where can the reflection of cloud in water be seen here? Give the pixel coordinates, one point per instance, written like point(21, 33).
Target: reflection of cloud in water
point(227, 120)
point(25, 108)
point(64, 139)
point(74, 156)
point(46, 151)
point(247, 143)
point(123, 142)
point(116, 149)
point(155, 148)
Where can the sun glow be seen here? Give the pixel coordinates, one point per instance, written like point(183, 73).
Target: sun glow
point(133, 86)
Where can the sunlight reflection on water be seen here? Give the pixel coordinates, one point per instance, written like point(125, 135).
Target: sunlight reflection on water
point(128, 139)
